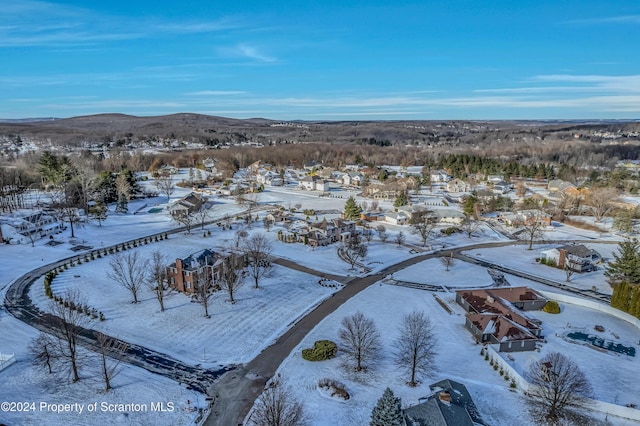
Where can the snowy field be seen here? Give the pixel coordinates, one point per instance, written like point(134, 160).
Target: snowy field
point(518, 257)
point(24, 382)
point(458, 357)
point(434, 272)
point(234, 333)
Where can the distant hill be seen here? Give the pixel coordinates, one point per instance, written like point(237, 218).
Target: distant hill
point(214, 130)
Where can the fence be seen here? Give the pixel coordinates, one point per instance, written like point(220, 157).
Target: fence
point(601, 406)
point(6, 360)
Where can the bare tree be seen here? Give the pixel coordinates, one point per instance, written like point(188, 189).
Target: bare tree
point(557, 383)
point(110, 347)
point(415, 347)
point(165, 185)
point(360, 339)
point(202, 216)
point(157, 278)
point(130, 271)
point(533, 228)
point(66, 324)
point(571, 266)
point(382, 233)
point(422, 224)
point(469, 225)
point(258, 249)
point(448, 261)
point(239, 236)
point(42, 348)
point(187, 220)
point(268, 223)
point(204, 288)
point(277, 407)
point(400, 238)
point(231, 276)
point(353, 250)
point(367, 232)
point(602, 201)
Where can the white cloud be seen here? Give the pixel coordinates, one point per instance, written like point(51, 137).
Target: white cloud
point(216, 93)
point(252, 52)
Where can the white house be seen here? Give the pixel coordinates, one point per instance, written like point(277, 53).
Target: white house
point(577, 257)
point(399, 218)
point(457, 185)
point(313, 183)
point(439, 176)
point(451, 216)
point(352, 178)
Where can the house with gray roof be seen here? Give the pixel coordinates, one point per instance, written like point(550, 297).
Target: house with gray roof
point(450, 404)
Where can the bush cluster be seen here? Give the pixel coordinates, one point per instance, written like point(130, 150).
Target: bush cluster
point(551, 307)
point(322, 350)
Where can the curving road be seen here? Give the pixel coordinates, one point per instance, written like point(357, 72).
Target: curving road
point(234, 394)
point(235, 388)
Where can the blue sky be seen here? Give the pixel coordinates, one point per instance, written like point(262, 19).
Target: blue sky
point(322, 60)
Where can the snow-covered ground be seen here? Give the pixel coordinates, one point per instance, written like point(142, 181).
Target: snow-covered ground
point(520, 258)
point(458, 357)
point(23, 382)
point(236, 333)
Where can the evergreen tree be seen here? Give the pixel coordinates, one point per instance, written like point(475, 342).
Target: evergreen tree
point(401, 199)
point(387, 411)
point(634, 304)
point(351, 209)
point(469, 203)
point(626, 266)
point(123, 204)
point(620, 296)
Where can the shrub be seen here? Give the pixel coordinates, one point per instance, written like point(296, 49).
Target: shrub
point(486, 357)
point(552, 307)
point(513, 384)
point(101, 316)
point(322, 350)
point(501, 372)
point(491, 362)
point(495, 366)
point(337, 388)
point(66, 266)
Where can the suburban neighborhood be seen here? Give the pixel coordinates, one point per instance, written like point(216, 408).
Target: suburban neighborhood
point(230, 278)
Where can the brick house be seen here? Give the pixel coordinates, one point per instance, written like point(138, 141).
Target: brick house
point(184, 274)
point(493, 317)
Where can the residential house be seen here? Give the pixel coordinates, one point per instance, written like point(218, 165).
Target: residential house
point(448, 216)
point(313, 183)
point(352, 179)
point(525, 218)
point(450, 404)
point(326, 232)
point(439, 176)
point(558, 187)
point(502, 187)
point(185, 274)
point(408, 183)
point(494, 316)
point(39, 224)
point(269, 178)
point(279, 216)
point(209, 164)
point(188, 204)
point(458, 185)
point(396, 218)
point(577, 257)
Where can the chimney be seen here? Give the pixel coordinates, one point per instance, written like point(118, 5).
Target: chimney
point(445, 397)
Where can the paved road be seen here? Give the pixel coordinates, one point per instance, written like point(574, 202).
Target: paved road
point(237, 390)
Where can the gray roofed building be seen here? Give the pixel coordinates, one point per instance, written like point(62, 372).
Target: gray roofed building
point(450, 404)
